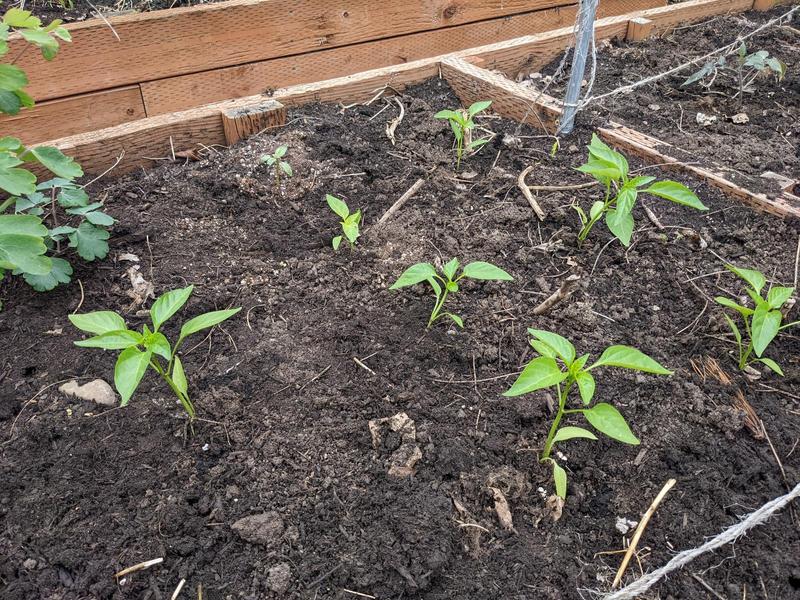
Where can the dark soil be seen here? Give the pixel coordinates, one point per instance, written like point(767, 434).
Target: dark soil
point(284, 408)
point(769, 141)
point(80, 10)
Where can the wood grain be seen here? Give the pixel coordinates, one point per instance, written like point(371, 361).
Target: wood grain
point(179, 93)
point(172, 42)
point(240, 123)
point(68, 116)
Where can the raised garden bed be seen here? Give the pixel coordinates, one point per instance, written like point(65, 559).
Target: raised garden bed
point(767, 139)
point(285, 408)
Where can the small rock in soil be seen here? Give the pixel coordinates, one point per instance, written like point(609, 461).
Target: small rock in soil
point(740, 118)
point(265, 529)
point(279, 577)
point(96, 391)
point(625, 525)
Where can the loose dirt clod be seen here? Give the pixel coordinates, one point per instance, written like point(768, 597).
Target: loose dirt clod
point(279, 578)
point(265, 529)
point(403, 459)
point(502, 509)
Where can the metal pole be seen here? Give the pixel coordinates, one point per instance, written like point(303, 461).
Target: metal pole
point(585, 37)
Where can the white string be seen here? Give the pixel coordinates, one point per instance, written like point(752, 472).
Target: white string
point(725, 49)
point(731, 534)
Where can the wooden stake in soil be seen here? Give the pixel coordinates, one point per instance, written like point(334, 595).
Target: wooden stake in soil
point(241, 123)
point(403, 199)
point(640, 530)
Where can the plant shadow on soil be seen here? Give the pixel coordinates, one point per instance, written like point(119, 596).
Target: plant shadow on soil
point(284, 408)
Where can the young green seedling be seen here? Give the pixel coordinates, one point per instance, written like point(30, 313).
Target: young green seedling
point(447, 283)
point(274, 160)
point(462, 125)
point(148, 348)
point(761, 324)
point(559, 367)
point(610, 168)
point(349, 221)
point(744, 69)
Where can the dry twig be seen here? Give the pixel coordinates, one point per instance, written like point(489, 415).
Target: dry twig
point(526, 191)
point(567, 288)
point(403, 199)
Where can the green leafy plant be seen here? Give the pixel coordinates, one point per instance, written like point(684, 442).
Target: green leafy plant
point(742, 67)
point(349, 221)
point(559, 367)
point(140, 350)
point(762, 323)
point(56, 211)
point(447, 282)
point(462, 124)
point(275, 161)
point(610, 168)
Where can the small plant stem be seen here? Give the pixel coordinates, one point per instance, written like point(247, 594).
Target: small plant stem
point(277, 176)
point(8, 202)
point(562, 401)
point(187, 405)
point(53, 214)
point(584, 233)
point(438, 308)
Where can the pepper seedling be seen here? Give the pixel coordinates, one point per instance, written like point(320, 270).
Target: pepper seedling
point(349, 221)
point(761, 324)
point(462, 124)
point(145, 349)
point(447, 282)
point(274, 160)
point(559, 367)
point(610, 168)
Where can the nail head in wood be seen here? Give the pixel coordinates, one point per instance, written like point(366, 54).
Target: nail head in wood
point(242, 122)
point(639, 28)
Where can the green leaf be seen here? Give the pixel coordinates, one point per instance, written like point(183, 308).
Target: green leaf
point(179, 377)
point(350, 227)
point(14, 181)
point(478, 107)
point(675, 192)
point(743, 310)
point(485, 270)
point(602, 153)
point(10, 102)
point(777, 296)
point(608, 420)
point(450, 268)
point(57, 162)
point(755, 279)
point(40, 39)
point(571, 433)
point(543, 348)
point(73, 197)
point(640, 181)
point(112, 340)
point(168, 304)
point(596, 209)
point(98, 322)
point(286, 168)
point(60, 272)
point(626, 357)
point(736, 333)
point(24, 252)
point(625, 200)
point(621, 225)
point(280, 151)
point(775, 367)
point(336, 242)
point(456, 319)
point(560, 480)
point(447, 114)
point(562, 346)
point(129, 370)
point(602, 172)
point(21, 19)
point(158, 344)
point(586, 386)
point(12, 78)
point(413, 275)
point(90, 241)
point(99, 218)
point(541, 372)
point(337, 206)
point(764, 327)
point(207, 320)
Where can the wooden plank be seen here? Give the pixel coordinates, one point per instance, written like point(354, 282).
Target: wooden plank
point(655, 151)
point(77, 114)
point(182, 92)
point(172, 42)
point(139, 142)
point(639, 29)
point(240, 123)
point(509, 99)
